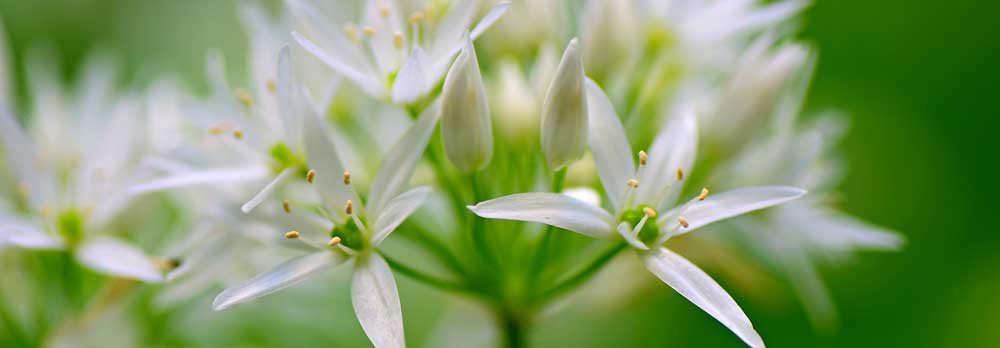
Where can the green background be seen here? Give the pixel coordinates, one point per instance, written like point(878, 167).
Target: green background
point(918, 78)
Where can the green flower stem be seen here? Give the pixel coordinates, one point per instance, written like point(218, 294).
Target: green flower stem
point(542, 250)
point(514, 330)
point(478, 230)
point(438, 248)
point(584, 273)
point(429, 279)
point(17, 334)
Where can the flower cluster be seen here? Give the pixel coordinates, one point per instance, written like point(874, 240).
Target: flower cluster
point(357, 126)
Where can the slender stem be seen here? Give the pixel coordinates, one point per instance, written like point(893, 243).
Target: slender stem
point(585, 273)
point(514, 330)
point(427, 278)
point(436, 246)
point(478, 230)
point(542, 250)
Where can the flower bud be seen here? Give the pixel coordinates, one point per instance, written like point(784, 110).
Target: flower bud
point(465, 115)
point(564, 112)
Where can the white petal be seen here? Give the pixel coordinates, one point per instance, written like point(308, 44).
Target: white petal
point(376, 302)
point(323, 158)
point(397, 210)
point(118, 258)
point(609, 144)
point(441, 58)
point(412, 81)
point(491, 17)
point(287, 99)
point(550, 208)
point(365, 82)
point(729, 204)
point(19, 154)
point(289, 273)
point(193, 178)
point(673, 148)
point(449, 31)
point(700, 289)
point(26, 235)
point(626, 233)
point(400, 161)
point(266, 191)
point(564, 111)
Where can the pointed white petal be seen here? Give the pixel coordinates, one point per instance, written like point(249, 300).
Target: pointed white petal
point(626, 233)
point(729, 204)
point(400, 161)
point(564, 111)
point(609, 144)
point(365, 82)
point(376, 302)
point(289, 273)
point(397, 210)
point(441, 57)
point(674, 148)
point(27, 235)
point(491, 17)
point(288, 104)
point(450, 29)
point(118, 258)
point(550, 208)
point(412, 81)
point(19, 155)
point(696, 286)
point(323, 158)
point(266, 191)
point(193, 178)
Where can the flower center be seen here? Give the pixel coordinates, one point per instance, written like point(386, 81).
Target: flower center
point(649, 230)
point(70, 225)
point(350, 235)
point(284, 157)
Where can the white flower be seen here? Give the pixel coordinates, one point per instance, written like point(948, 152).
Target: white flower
point(72, 171)
point(352, 231)
point(385, 56)
point(466, 129)
point(564, 112)
point(639, 195)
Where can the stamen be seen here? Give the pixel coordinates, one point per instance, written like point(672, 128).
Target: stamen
point(633, 183)
point(292, 235)
point(384, 11)
point(397, 40)
point(416, 17)
point(649, 212)
point(683, 221)
point(238, 134)
point(680, 174)
point(216, 130)
point(704, 193)
point(287, 207)
point(334, 241)
point(244, 97)
point(352, 32)
point(310, 176)
point(368, 31)
point(349, 208)
point(347, 178)
point(271, 86)
point(642, 158)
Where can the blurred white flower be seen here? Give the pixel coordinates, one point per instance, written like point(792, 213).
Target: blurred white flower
point(637, 195)
point(351, 230)
point(384, 55)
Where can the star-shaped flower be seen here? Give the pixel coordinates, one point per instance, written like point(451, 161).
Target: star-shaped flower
point(638, 196)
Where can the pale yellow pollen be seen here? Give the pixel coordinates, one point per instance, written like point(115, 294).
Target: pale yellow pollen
point(310, 176)
point(642, 158)
point(368, 31)
point(384, 11)
point(633, 183)
point(292, 235)
point(244, 97)
point(683, 221)
point(286, 206)
point(334, 241)
point(216, 130)
point(347, 177)
point(349, 207)
point(397, 40)
point(271, 86)
point(649, 212)
point(238, 134)
point(352, 32)
point(704, 193)
point(416, 17)
point(680, 174)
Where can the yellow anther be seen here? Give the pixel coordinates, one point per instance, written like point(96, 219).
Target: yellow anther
point(352, 32)
point(683, 221)
point(397, 40)
point(271, 86)
point(649, 212)
point(334, 241)
point(416, 17)
point(680, 174)
point(292, 235)
point(310, 176)
point(369, 31)
point(238, 134)
point(633, 183)
point(244, 97)
point(216, 130)
point(286, 206)
point(642, 158)
point(347, 177)
point(704, 193)
point(349, 207)
point(384, 11)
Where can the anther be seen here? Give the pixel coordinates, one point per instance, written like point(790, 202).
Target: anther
point(680, 174)
point(349, 208)
point(352, 32)
point(311, 175)
point(649, 212)
point(704, 193)
point(347, 178)
point(287, 207)
point(416, 17)
point(292, 235)
point(642, 158)
point(238, 134)
point(334, 241)
point(683, 221)
point(384, 11)
point(633, 183)
point(368, 31)
point(271, 86)
point(244, 97)
point(397, 40)
point(215, 130)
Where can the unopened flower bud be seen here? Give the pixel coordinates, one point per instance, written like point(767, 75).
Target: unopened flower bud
point(564, 112)
point(465, 115)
